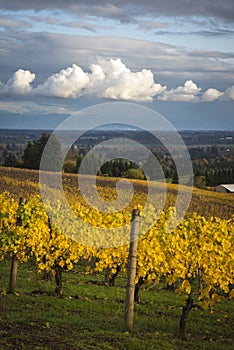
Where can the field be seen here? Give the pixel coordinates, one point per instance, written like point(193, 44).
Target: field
point(24, 183)
point(88, 314)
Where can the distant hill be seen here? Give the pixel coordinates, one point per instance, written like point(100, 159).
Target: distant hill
point(92, 137)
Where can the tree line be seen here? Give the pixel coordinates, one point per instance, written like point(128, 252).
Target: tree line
point(212, 165)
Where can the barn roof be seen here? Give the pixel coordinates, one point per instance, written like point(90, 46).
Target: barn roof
point(229, 187)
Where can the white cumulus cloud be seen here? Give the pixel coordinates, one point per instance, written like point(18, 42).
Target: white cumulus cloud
point(187, 93)
point(110, 79)
point(68, 83)
point(211, 95)
point(229, 94)
point(19, 84)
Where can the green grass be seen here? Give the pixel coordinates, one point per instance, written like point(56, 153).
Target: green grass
point(90, 315)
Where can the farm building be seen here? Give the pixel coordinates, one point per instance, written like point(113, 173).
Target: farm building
point(229, 188)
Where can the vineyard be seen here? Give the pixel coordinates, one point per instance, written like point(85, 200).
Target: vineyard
point(193, 259)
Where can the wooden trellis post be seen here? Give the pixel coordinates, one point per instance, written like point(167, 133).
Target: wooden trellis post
point(14, 260)
point(131, 272)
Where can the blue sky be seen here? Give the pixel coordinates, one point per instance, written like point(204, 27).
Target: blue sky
point(176, 57)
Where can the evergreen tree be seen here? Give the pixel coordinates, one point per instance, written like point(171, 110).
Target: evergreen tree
point(29, 156)
point(52, 160)
point(231, 175)
point(207, 178)
point(10, 160)
point(78, 162)
point(175, 178)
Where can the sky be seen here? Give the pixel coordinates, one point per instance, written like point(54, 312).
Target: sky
point(175, 57)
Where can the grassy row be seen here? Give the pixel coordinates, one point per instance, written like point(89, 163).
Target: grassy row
point(90, 315)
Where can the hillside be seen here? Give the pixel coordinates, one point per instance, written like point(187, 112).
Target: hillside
point(25, 183)
point(193, 261)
